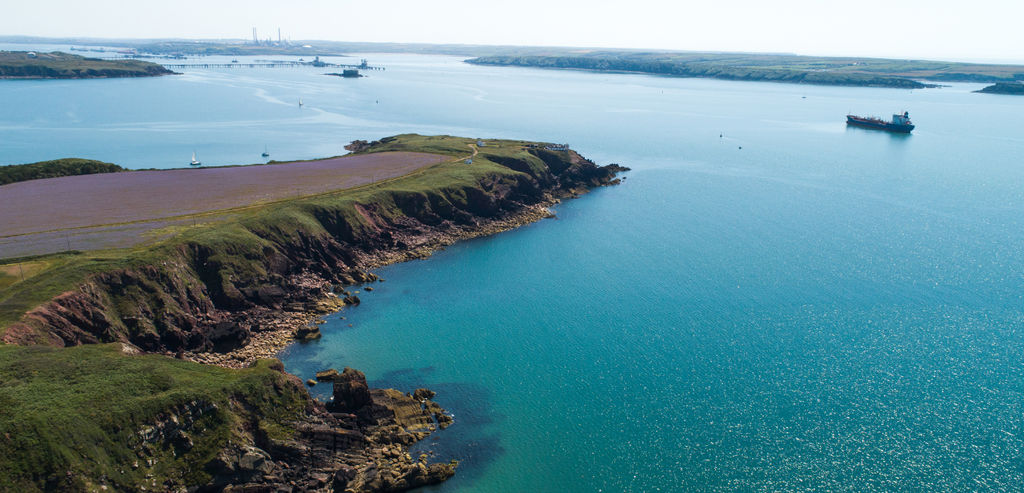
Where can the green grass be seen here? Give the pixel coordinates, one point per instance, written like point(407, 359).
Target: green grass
point(53, 169)
point(79, 410)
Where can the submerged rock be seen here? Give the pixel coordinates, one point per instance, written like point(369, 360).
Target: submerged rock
point(327, 375)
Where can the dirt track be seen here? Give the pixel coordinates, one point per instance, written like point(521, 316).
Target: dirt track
point(88, 212)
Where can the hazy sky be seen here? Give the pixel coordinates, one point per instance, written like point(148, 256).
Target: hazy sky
point(980, 29)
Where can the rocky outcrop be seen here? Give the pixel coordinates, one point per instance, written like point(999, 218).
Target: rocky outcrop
point(350, 391)
point(356, 444)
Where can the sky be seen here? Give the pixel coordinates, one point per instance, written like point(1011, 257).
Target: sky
point(979, 30)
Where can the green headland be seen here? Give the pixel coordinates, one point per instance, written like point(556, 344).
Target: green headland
point(53, 169)
point(1012, 88)
point(58, 65)
point(101, 380)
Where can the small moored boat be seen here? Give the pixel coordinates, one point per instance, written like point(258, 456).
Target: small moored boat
point(195, 162)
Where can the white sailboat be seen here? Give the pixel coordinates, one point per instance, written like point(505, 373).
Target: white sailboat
point(300, 101)
point(195, 162)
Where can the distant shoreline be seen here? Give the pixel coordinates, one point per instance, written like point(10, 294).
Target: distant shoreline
point(908, 84)
point(830, 71)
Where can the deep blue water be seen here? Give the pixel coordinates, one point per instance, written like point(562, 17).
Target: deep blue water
point(824, 309)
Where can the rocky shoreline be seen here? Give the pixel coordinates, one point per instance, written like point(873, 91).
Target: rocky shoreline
point(279, 329)
point(359, 442)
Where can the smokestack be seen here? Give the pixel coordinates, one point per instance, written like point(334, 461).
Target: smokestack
point(279, 35)
point(255, 40)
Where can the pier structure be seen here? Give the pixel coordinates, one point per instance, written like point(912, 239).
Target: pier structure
point(271, 64)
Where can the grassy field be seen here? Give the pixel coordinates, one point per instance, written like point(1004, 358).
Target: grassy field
point(79, 411)
point(122, 209)
point(57, 65)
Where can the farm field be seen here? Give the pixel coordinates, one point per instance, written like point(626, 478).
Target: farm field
point(123, 209)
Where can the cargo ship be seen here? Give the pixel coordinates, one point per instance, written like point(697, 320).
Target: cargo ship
point(899, 123)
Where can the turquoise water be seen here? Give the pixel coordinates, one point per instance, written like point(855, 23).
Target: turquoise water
point(823, 309)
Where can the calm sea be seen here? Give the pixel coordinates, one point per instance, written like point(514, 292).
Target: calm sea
point(770, 301)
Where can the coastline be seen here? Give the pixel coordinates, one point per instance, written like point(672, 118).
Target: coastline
point(284, 325)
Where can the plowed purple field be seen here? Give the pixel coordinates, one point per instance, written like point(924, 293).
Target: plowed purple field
point(90, 211)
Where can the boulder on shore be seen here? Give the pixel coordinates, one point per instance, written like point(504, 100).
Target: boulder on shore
point(423, 394)
point(308, 333)
point(350, 391)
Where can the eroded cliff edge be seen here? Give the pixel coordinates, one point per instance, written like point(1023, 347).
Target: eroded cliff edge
point(214, 290)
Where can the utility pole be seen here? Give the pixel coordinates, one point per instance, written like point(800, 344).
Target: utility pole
point(22, 271)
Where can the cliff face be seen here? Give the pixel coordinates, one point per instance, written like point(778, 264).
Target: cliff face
point(212, 292)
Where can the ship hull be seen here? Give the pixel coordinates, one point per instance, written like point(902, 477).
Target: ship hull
point(878, 125)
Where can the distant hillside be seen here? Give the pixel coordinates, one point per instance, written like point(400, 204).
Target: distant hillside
point(58, 65)
point(54, 169)
point(873, 72)
point(1014, 88)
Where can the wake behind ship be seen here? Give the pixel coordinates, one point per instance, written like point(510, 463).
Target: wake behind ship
point(899, 123)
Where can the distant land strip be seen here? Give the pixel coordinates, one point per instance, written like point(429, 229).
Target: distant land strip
point(58, 65)
point(1011, 88)
point(868, 72)
point(54, 169)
